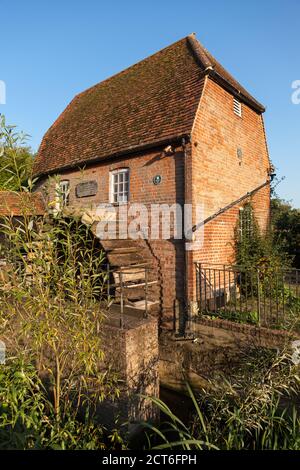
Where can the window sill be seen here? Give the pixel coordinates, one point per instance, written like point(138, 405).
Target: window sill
point(117, 204)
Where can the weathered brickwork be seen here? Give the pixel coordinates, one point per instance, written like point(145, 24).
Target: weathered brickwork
point(218, 176)
point(143, 167)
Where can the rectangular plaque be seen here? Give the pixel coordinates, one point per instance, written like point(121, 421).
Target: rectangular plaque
point(87, 188)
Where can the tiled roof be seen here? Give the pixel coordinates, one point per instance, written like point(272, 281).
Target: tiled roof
point(146, 104)
point(20, 204)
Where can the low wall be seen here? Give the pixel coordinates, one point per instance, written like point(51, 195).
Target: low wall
point(216, 348)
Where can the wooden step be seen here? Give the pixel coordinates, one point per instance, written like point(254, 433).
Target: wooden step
point(128, 285)
point(135, 266)
point(125, 250)
point(138, 293)
point(133, 273)
point(124, 259)
point(141, 304)
point(110, 245)
point(131, 258)
point(130, 276)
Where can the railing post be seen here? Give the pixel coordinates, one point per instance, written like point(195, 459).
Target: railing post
point(225, 293)
point(200, 285)
point(297, 287)
point(258, 297)
point(122, 300)
point(108, 282)
point(146, 292)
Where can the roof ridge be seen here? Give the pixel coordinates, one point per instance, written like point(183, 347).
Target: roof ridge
point(199, 51)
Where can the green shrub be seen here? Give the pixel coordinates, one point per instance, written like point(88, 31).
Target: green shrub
point(28, 419)
point(257, 250)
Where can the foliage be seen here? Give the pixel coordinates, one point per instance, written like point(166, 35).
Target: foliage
point(28, 419)
point(286, 227)
point(257, 250)
point(251, 409)
point(232, 314)
point(16, 158)
point(50, 308)
point(50, 321)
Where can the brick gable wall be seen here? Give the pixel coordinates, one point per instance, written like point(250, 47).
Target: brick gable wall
point(218, 176)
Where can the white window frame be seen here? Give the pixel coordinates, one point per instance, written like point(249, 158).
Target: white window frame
point(119, 179)
point(237, 107)
point(62, 194)
point(64, 188)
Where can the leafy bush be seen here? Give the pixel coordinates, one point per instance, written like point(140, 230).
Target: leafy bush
point(257, 250)
point(50, 322)
point(286, 227)
point(50, 311)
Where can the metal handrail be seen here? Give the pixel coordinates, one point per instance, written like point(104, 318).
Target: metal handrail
point(121, 272)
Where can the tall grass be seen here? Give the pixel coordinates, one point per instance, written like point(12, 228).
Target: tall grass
point(257, 408)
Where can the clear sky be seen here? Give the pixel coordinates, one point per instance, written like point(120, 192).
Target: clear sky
point(51, 50)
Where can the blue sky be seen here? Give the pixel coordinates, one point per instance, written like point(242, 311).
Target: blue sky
point(51, 50)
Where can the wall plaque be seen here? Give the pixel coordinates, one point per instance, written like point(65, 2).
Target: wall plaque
point(87, 188)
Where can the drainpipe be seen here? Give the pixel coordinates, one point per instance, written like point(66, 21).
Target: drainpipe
point(183, 316)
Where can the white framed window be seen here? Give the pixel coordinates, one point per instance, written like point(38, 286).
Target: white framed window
point(119, 185)
point(237, 107)
point(62, 194)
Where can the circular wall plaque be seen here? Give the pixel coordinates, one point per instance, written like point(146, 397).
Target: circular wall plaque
point(157, 179)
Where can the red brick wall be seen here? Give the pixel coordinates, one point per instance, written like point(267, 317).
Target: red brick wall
point(143, 167)
point(219, 177)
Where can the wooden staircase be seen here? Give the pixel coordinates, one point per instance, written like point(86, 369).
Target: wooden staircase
point(135, 274)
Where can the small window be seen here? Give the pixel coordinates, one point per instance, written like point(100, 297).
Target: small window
point(63, 191)
point(119, 185)
point(237, 107)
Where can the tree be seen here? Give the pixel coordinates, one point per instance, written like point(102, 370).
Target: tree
point(16, 158)
point(286, 227)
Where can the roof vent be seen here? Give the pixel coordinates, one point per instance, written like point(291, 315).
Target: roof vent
point(237, 107)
